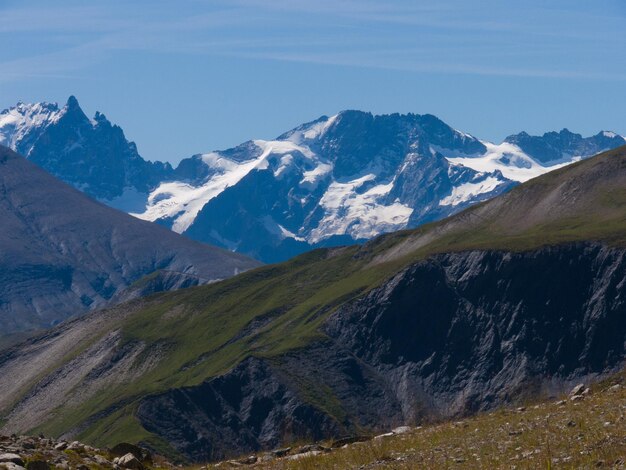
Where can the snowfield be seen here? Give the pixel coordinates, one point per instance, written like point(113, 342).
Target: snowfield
point(510, 160)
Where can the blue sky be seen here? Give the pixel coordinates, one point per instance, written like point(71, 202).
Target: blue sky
point(190, 76)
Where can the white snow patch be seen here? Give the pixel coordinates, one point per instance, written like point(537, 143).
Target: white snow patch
point(19, 122)
point(281, 147)
point(182, 201)
point(467, 191)
point(217, 162)
point(508, 159)
point(311, 178)
point(276, 229)
point(286, 163)
point(319, 129)
point(359, 215)
point(314, 131)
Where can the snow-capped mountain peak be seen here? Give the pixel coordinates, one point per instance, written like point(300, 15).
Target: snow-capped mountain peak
point(334, 180)
point(310, 131)
point(92, 155)
point(21, 125)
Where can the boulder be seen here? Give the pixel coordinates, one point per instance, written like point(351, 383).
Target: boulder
point(577, 390)
point(310, 448)
point(76, 446)
point(401, 430)
point(11, 466)
point(128, 461)
point(311, 453)
point(347, 440)
point(27, 444)
point(13, 458)
point(61, 446)
point(281, 452)
point(124, 448)
point(100, 460)
point(251, 459)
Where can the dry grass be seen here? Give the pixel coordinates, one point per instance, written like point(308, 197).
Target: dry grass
point(590, 433)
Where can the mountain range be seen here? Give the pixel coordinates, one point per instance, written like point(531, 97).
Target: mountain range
point(62, 253)
point(334, 181)
point(484, 308)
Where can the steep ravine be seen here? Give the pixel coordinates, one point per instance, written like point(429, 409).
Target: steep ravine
point(451, 335)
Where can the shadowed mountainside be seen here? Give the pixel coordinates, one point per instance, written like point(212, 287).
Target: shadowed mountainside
point(61, 253)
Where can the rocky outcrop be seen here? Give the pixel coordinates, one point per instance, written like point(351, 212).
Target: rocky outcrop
point(448, 336)
point(43, 453)
point(473, 330)
point(251, 408)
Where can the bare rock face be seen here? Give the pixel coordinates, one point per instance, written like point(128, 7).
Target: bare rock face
point(252, 407)
point(448, 336)
point(62, 253)
point(466, 331)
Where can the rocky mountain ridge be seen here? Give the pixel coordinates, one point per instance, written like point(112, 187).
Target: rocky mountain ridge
point(336, 180)
point(92, 155)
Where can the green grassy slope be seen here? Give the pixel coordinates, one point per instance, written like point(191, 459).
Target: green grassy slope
point(201, 332)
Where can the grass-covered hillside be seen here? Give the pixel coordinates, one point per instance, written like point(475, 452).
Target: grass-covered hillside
point(87, 377)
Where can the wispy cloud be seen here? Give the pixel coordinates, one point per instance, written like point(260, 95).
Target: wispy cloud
point(448, 36)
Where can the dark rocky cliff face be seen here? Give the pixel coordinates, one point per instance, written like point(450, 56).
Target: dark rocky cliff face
point(252, 407)
point(448, 336)
point(472, 329)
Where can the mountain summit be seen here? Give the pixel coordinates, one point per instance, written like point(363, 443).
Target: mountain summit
point(92, 155)
point(336, 180)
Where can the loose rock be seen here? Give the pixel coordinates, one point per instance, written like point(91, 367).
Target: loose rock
point(129, 461)
point(11, 466)
point(401, 430)
point(61, 446)
point(577, 390)
point(13, 458)
point(281, 452)
point(303, 455)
